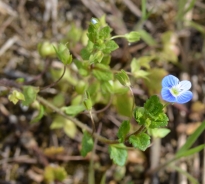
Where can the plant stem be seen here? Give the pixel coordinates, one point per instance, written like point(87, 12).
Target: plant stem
point(93, 123)
point(133, 103)
point(77, 122)
point(117, 36)
point(54, 83)
point(135, 133)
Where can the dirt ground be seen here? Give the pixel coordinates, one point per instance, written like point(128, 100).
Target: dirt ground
point(174, 35)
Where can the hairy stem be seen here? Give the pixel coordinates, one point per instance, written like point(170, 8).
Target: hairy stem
point(133, 103)
point(54, 83)
point(77, 122)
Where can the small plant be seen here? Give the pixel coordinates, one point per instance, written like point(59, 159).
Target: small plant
point(98, 83)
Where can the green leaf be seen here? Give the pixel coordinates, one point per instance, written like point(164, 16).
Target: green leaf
point(107, 87)
point(63, 54)
point(148, 39)
point(153, 106)
point(60, 174)
point(106, 60)
point(74, 109)
point(69, 128)
point(104, 33)
point(192, 138)
point(189, 177)
point(154, 79)
point(87, 101)
point(58, 122)
point(54, 173)
point(85, 54)
point(160, 121)
point(39, 116)
point(140, 141)
point(133, 36)
point(30, 94)
point(139, 115)
point(110, 46)
point(123, 103)
point(93, 89)
point(159, 132)
point(135, 66)
point(143, 61)
point(96, 57)
point(123, 130)
point(87, 143)
point(123, 78)
point(118, 153)
point(16, 96)
point(93, 32)
point(83, 67)
point(190, 151)
point(142, 74)
point(46, 49)
point(102, 72)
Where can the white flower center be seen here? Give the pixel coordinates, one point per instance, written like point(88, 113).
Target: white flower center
point(176, 90)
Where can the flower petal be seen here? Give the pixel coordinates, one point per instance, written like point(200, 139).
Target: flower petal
point(184, 85)
point(170, 81)
point(167, 96)
point(184, 97)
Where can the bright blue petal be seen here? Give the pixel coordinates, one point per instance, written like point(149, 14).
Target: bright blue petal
point(184, 97)
point(167, 96)
point(169, 81)
point(184, 85)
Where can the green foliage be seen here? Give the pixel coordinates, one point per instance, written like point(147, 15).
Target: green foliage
point(140, 141)
point(192, 138)
point(83, 67)
point(147, 38)
point(16, 96)
point(133, 36)
point(30, 94)
point(102, 72)
point(138, 64)
point(123, 78)
point(68, 126)
point(168, 53)
point(110, 46)
point(90, 81)
point(104, 33)
point(153, 106)
point(123, 103)
point(123, 130)
point(87, 143)
point(158, 132)
point(151, 115)
point(106, 87)
point(118, 153)
point(153, 80)
point(189, 177)
point(73, 110)
point(39, 115)
point(46, 49)
point(87, 101)
point(74, 35)
point(183, 8)
point(54, 173)
point(63, 54)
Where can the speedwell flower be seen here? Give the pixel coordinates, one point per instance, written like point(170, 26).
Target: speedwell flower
point(176, 91)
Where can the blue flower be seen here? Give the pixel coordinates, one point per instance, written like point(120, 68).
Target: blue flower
point(175, 91)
